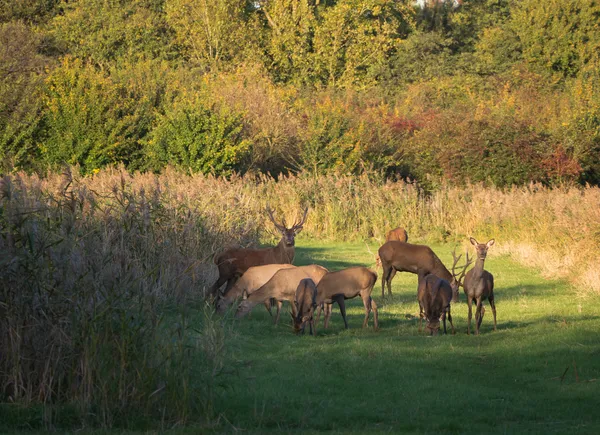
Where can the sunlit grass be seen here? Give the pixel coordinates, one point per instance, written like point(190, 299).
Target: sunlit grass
point(537, 373)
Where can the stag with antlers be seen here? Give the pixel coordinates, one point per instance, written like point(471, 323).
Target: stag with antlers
point(405, 257)
point(232, 263)
point(435, 294)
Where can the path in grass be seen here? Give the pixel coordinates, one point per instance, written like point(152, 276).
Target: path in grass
point(537, 374)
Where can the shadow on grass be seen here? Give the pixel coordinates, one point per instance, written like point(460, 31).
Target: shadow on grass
point(323, 257)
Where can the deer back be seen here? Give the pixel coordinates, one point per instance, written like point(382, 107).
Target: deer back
point(254, 278)
point(349, 282)
point(406, 257)
point(398, 234)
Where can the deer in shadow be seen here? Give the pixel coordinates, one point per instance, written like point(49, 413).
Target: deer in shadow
point(232, 263)
point(305, 302)
point(435, 294)
point(479, 286)
point(405, 257)
point(281, 287)
point(347, 284)
point(253, 279)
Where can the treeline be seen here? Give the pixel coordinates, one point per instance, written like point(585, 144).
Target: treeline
point(499, 91)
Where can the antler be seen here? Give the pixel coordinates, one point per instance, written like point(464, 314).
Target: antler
point(301, 223)
point(280, 227)
point(458, 277)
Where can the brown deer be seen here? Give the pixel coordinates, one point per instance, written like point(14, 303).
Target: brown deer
point(405, 257)
point(347, 284)
point(232, 263)
point(254, 278)
point(434, 295)
point(282, 287)
point(479, 286)
point(305, 302)
point(398, 234)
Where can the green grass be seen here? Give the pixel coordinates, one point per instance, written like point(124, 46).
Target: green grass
point(518, 379)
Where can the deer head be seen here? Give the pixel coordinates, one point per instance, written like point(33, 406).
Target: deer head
point(458, 277)
point(481, 248)
point(288, 234)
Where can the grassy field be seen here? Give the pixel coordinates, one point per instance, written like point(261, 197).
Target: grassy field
point(538, 373)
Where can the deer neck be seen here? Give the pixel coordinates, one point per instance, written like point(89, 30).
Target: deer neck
point(286, 253)
point(441, 271)
point(478, 268)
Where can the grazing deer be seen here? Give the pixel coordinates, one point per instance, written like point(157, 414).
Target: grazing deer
point(434, 295)
point(232, 263)
point(347, 284)
point(305, 302)
point(406, 257)
point(479, 286)
point(282, 287)
point(254, 278)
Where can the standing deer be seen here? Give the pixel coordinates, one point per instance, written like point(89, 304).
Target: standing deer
point(398, 234)
point(306, 303)
point(434, 295)
point(479, 285)
point(254, 278)
point(282, 287)
point(347, 284)
point(405, 257)
point(232, 263)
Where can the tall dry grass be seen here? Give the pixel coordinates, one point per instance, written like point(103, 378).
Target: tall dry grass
point(89, 266)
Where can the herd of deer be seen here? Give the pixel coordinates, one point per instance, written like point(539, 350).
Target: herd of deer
point(267, 276)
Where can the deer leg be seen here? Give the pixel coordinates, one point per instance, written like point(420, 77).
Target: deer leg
point(478, 315)
point(384, 275)
point(470, 304)
point(493, 305)
point(279, 305)
point(328, 309)
point(389, 281)
point(421, 315)
point(342, 304)
point(450, 320)
point(375, 313)
point(367, 303)
point(216, 286)
point(319, 313)
point(268, 307)
point(481, 315)
point(444, 322)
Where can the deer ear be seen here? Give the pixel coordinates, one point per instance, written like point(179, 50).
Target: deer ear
point(490, 243)
point(473, 241)
point(298, 229)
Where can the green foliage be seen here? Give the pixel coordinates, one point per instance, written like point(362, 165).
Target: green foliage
point(21, 73)
point(198, 137)
point(211, 33)
point(505, 88)
point(94, 119)
point(558, 36)
point(107, 31)
point(355, 38)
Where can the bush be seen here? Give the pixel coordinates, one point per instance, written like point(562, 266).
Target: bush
point(199, 138)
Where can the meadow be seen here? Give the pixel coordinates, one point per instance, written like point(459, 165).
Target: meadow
point(103, 324)
point(538, 373)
